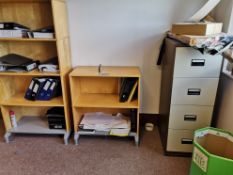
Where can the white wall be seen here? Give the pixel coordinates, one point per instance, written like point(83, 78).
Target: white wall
point(126, 33)
point(223, 13)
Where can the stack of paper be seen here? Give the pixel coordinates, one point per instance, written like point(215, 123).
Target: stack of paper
point(11, 34)
point(118, 125)
point(12, 30)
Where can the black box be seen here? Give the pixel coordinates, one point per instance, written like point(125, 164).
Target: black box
point(56, 118)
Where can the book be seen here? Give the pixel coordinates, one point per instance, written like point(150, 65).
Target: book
point(43, 89)
point(44, 93)
point(28, 94)
point(46, 32)
point(38, 85)
point(12, 34)
point(17, 63)
point(49, 66)
point(132, 92)
point(14, 59)
point(12, 26)
point(42, 35)
point(56, 118)
point(126, 88)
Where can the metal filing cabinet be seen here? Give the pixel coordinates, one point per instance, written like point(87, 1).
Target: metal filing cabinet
point(188, 91)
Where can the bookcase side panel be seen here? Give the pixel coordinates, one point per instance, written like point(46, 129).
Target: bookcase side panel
point(60, 17)
point(62, 34)
point(64, 58)
point(6, 118)
point(66, 100)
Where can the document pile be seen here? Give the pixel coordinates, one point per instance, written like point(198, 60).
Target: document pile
point(12, 30)
point(117, 125)
point(49, 66)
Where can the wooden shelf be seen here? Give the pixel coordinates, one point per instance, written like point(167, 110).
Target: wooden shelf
point(35, 73)
point(40, 13)
point(103, 101)
point(13, 1)
point(35, 125)
point(19, 100)
point(107, 71)
point(92, 91)
point(29, 39)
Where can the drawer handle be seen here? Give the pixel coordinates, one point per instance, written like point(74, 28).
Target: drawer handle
point(185, 141)
point(194, 91)
point(190, 117)
point(198, 62)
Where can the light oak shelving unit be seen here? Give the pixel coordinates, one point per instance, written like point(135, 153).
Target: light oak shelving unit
point(94, 91)
point(30, 115)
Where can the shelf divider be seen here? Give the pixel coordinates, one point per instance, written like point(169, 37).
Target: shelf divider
point(103, 101)
point(35, 73)
point(19, 100)
point(29, 39)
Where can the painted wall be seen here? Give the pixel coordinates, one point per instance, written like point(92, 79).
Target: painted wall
point(223, 13)
point(224, 108)
point(126, 33)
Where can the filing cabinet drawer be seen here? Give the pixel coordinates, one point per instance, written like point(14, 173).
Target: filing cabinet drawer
point(194, 91)
point(180, 140)
point(192, 63)
point(190, 117)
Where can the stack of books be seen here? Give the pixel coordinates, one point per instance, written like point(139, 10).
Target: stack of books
point(43, 89)
point(12, 30)
point(15, 30)
point(17, 63)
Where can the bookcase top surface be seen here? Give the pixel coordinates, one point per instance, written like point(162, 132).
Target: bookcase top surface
point(106, 71)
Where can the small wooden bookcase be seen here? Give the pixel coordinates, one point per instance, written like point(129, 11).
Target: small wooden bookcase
point(34, 14)
point(93, 90)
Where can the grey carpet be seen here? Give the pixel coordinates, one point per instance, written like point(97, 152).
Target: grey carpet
point(42, 155)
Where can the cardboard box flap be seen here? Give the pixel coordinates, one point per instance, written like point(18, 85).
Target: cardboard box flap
point(216, 142)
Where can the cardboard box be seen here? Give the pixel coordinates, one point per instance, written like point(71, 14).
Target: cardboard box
point(202, 29)
point(213, 152)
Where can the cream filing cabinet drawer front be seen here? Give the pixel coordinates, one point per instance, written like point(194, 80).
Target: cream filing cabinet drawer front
point(180, 140)
point(192, 63)
point(190, 117)
point(194, 91)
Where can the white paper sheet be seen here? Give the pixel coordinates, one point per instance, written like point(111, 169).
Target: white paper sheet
point(204, 11)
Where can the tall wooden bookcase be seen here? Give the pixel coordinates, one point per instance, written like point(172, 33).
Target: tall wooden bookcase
point(34, 14)
point(94, 91)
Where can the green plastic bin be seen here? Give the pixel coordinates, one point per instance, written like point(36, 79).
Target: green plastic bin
point(212, 152)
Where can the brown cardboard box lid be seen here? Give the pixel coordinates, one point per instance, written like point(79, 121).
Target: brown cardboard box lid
point(199, 28)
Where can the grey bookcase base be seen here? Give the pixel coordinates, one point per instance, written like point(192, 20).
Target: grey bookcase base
point(8, 136)
point(35, 125)
point(101, 133)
